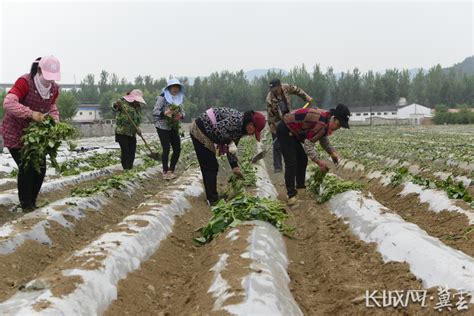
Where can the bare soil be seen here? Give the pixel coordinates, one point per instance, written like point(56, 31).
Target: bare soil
point(32, 258)
point(331, 268)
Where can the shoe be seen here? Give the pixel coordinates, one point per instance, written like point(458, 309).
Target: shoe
point(172, 175)
point(166, 175)
point(301, 191)
point(293, 201)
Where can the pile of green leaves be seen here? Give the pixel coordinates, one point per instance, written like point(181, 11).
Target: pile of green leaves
point(326, 186)
point(243, 208)
point(44, 138)
point(172, 121)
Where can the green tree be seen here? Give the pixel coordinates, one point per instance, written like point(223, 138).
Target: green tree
point(67, 105)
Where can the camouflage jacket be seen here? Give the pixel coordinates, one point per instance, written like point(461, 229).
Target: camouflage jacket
point(122, 124)
point(274, 103)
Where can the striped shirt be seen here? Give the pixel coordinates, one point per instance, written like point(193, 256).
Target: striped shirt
point(310, 126)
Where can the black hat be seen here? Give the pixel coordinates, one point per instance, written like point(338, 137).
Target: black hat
point(275, 83)
point(342, 113)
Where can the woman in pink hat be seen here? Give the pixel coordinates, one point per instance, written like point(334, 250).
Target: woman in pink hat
point(125, 132)
point(32, 97)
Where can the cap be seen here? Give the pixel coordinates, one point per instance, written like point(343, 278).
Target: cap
point(275, 83)
point(50, 68)
point(342, 113)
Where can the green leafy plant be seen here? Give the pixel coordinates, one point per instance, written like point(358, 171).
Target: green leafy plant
point(172, 121)
point(114, 182)
point(243, 208)
point(326, 186)
point(44, 138)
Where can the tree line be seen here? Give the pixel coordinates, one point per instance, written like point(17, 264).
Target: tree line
point(354, 88)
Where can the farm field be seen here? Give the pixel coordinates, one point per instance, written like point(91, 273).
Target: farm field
point(396, 215)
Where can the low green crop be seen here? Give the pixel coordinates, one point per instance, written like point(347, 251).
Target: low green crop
point(41, 139)
point(326, 186)
point(114, 182)
point(243, 208)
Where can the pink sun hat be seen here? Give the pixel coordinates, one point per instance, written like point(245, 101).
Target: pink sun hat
point(50, 68)
point(135, 95)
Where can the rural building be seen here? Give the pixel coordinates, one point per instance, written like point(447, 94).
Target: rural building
point(87, 113)
point(412, 111)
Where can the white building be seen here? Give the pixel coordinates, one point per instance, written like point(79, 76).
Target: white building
point(87, 113)
point(363, 113)
point(413, 111)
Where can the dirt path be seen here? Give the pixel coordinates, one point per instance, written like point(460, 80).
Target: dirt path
point(32, 257)
point(330, 268)
point(451, 228)
point(45, 198)
point(175, 280)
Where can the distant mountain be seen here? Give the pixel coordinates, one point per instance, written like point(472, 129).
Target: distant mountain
point(255, 73)
point(464, 67)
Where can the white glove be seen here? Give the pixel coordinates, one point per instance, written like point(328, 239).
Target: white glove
point(232, 148)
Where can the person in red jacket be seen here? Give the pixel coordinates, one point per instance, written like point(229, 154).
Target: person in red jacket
point(298, 132)
point(32, 97)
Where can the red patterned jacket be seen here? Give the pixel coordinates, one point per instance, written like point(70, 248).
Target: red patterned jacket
point(20, 103)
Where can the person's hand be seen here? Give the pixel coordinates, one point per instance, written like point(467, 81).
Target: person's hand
point(310, 99)
point(139, 131)
point(169, 113)
point(323, 167)
point(118, 105)
point(37, 116)
point(236, 171)
point(335, 158)
point(178, 116)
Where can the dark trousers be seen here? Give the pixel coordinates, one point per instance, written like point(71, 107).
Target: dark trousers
point(29, 181)
point(128, 147)
point(277, 163)
point(295, 159)
point(209, 168)
point(170, 138)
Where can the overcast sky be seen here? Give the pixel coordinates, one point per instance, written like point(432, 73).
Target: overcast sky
point(196, 38)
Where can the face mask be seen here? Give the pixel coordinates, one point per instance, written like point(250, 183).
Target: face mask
point(45, 82)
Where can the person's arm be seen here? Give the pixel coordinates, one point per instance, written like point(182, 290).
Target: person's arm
point(116, 105)
point(159, 108)
point(12, 104)
point(324, 142)
point(316, 134)
point(182, 112)
point(273, 116)
point(299, 92)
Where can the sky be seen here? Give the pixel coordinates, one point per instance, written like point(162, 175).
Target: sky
point(196, 38)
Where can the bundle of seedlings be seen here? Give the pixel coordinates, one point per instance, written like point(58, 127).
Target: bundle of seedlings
point(41, 139)
point(172, 121)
